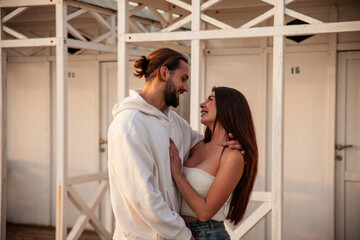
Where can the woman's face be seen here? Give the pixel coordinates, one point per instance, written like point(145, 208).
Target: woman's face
point(208, 110)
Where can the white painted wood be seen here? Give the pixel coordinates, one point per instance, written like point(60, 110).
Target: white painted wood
point(89, 7)
point(75, 33)
point(34, 42)
point(94, 202)
point(3, 134)
point(209, 4)
point(158, 16)
point(14, 33)
point(90, 45)
point(76, 14)
point(196, 68)
point(14, 13)
point(348, 168)
point(113, 30)
point(103, 37)
point(88, 178)
point(301, 16)
point(61, 120)
point(178, 24)
point(136, 9)
point(100, 19)
point(123, 49)
point(83, 130)
point(252, 220)
point(308, 144)
point(181, 4)
point(25, 3)
point(263, 17)
point(261, 196)
point(215, 22)
point(249, 67)
point(277, 154)
point(28, 138)
point(352, 26)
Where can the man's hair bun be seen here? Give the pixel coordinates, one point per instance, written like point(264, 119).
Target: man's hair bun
point(141, 66)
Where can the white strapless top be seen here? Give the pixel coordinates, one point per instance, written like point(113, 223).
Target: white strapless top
point(201, 181)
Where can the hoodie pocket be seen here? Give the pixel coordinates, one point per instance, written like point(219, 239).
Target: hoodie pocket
point(173, 199)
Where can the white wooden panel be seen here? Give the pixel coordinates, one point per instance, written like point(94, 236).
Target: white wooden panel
point(352, 155)
point(28, 137)
point(308, 179)
point(83, 128)
point(245, 73)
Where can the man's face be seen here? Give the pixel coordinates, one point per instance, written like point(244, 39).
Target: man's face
point(176, 85)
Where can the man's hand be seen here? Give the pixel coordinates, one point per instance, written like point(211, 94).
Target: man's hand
point(234, 144)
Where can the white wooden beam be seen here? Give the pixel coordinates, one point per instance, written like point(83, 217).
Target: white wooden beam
point(252, 220)
point(14, 33)
point(76, 14)
point(61, 120)
point(272, 2)
point(178, 24)
point(136, 9)
point(196, 69)
point(25, 3)
point(75, 33)
point(33, 42)
point(89, 211)
point(90, 7)
point(3, 130)
point(100, 19)
point(261, 196)
point(301, 16)
point(102, 37)
point(123, 49)
point(14, 13)
point(263, 17)
point(158, 16)
point(91, 46)
point(209, 4)
point(277, 147)
point(88, 178)
point(353, 26)
point(181, 4)
point(215, 22)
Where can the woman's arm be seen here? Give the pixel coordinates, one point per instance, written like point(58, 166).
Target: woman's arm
point(228, 175)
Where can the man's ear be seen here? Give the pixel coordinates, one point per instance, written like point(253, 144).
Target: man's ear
point(163, 73)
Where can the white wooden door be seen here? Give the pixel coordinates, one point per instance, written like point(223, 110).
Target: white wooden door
point(246, 73)
point(83, 129)
point(308, 135)
point(348, 147)
point(28, 143)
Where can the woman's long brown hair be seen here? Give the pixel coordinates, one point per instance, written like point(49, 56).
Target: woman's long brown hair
point(234, 115)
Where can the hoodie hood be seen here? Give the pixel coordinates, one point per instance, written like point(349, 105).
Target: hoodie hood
point(136, 102)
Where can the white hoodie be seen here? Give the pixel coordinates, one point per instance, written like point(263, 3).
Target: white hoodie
point(144, 197)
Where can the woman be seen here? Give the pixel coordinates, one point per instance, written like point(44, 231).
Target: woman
point(216, 182)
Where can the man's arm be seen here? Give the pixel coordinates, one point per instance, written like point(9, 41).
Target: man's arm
point(132, 162)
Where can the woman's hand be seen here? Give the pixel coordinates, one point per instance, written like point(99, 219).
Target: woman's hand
point(234, 144)
point(175, 160)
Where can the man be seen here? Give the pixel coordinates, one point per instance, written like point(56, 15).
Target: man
point(143, 195)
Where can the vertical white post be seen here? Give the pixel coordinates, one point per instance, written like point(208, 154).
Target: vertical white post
point(3, 176)
point(61, 119)
point(196, 69)
point(277, 214)
point(123, 51)
point(332, 115)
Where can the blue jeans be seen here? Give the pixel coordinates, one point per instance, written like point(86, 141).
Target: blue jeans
point(210, 230)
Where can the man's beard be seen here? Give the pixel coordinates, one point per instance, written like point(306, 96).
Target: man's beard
point(170, 94)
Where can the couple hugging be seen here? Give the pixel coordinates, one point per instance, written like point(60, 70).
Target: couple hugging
point(168, 181)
